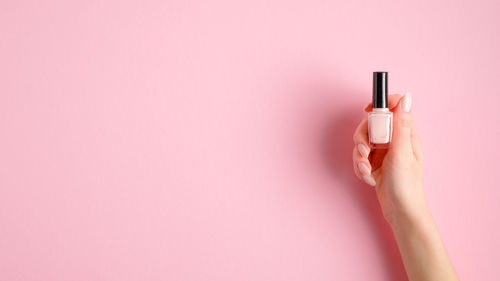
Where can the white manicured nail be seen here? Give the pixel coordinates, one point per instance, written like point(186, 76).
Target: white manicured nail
point(369, 180)
point(406, 105)
point(363, 150)
point(363, 168)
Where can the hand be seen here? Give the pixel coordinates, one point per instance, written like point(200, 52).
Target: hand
point(396, 173)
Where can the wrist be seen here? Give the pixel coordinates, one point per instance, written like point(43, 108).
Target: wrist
point(409, 220)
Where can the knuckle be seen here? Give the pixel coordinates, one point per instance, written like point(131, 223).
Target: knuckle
point(405, 121)
point(402, 157)
point(355, 170)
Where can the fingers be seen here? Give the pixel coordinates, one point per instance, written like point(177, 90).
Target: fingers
point(393, 102)
point(405, 140)
point(404, 128)
point(415, 137)
point(362, 167)
point(361, 151)
point(416, 143)
point(405, 107)
point(361, 135)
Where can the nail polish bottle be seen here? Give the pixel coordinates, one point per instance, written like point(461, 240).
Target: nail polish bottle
point(380, 118)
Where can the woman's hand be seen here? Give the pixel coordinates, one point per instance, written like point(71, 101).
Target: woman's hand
point(396, 173)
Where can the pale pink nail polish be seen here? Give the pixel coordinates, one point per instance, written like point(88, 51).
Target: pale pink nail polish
point(369, 180)
point(363, 168)
point(363, 150)
point(406, 104)
point(380, 118)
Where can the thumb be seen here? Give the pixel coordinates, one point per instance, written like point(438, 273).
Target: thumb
point(401, 138)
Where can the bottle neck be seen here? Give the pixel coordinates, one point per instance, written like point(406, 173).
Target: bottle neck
point(384, 109)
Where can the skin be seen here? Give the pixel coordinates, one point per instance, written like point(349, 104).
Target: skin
point(396, 175)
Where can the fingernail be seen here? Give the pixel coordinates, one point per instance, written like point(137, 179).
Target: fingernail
point(369, 180)
point(406, 105)
point(363, 150)
point(363, 168)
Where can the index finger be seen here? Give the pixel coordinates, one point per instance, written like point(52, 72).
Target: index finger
point(361, 137)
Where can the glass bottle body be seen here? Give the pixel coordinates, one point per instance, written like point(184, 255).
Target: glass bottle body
point(380, 128)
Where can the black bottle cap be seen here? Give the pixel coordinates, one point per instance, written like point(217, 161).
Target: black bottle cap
point(380, 90)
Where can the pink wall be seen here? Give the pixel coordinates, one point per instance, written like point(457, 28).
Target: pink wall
point(211, 140)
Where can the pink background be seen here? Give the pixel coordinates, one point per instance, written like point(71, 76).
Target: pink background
point(211, 140)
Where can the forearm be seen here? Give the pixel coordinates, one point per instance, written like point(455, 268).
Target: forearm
point(421, 248)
